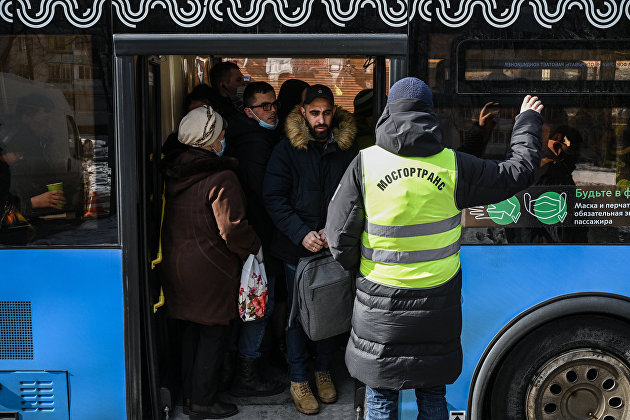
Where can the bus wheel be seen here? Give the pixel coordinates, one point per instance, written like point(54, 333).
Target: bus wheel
point(571, 368)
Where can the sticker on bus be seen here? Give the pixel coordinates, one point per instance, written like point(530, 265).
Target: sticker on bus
point(457, 415)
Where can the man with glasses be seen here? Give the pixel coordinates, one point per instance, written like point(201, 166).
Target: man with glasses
point(251, 138)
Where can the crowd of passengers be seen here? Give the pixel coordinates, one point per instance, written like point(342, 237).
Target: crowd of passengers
point(249, 172)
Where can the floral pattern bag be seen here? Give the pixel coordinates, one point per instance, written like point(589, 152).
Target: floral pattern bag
point(252, 296)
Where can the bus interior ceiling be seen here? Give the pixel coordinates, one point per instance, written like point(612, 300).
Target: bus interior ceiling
point(345, 75)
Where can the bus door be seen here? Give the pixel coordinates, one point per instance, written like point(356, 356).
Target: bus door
point(164, 75)
point(156, 398)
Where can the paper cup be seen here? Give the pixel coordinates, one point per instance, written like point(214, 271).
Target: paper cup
point(57, 186)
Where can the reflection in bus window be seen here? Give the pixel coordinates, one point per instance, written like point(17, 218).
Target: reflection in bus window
point(558, 67)
point(584, 157)
point(581, 194)
point(56, 174)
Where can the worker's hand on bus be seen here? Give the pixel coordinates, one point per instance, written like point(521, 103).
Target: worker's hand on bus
point(312, 241)
point(322, 235)
point(54, 199)
point(533, 103)
point(488, 113)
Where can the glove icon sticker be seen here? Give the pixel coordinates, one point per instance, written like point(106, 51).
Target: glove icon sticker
point(506, 212)
point(549, 207)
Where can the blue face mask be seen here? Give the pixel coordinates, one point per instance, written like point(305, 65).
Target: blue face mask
point(222, 148)
point(267, 125)
point(264, 124)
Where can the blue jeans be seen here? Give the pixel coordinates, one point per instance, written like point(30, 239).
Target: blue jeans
point(297, 341)
point(382, 404)
point(252, 332)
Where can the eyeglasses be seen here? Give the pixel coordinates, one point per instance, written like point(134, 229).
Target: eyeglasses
point(266, 106)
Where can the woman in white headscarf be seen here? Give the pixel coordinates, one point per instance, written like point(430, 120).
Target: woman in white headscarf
point(206, 238)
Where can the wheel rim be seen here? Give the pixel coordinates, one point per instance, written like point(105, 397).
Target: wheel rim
point(578, 385)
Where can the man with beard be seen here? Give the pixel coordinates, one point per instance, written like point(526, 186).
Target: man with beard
point(302, 175)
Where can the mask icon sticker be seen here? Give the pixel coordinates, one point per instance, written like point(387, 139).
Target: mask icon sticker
point(549, 207)
point(506, 212)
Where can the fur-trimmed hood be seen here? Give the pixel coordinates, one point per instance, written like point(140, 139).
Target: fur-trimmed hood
point(344, 129)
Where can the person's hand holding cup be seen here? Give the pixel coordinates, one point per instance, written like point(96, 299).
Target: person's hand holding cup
point(54, 197)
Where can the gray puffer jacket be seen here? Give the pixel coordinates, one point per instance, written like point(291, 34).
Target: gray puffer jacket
point(410, 338)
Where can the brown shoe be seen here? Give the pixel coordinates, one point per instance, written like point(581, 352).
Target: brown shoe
point(303, 398)
point(325, 387)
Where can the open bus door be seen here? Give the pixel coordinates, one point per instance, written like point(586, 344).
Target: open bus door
point(161, 85)
point(157, 402)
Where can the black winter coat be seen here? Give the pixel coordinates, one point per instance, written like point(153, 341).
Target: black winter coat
point(224, 106)
point(252, 145)
point(302, 176)
point(410, 338)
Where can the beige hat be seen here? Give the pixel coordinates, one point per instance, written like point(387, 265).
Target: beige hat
point(200, 127)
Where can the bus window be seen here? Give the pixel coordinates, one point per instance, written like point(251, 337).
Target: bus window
point(549, 66)
point(54, 138)
point(581, 193)
point(74, 140)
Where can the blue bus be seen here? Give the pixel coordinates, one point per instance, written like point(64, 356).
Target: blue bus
point(89, 91)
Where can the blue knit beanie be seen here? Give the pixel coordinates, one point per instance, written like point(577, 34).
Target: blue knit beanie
point(410, 88)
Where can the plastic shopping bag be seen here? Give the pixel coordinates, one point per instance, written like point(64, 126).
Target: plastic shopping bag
point(252, 296)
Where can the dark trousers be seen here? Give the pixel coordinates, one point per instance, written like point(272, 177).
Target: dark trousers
point(202, 355)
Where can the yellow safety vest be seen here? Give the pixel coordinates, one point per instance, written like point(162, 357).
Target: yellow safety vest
point(413, 227)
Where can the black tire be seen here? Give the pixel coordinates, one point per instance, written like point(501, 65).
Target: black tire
point(510, 388)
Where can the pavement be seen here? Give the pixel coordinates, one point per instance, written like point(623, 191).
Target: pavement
point(281, 407)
